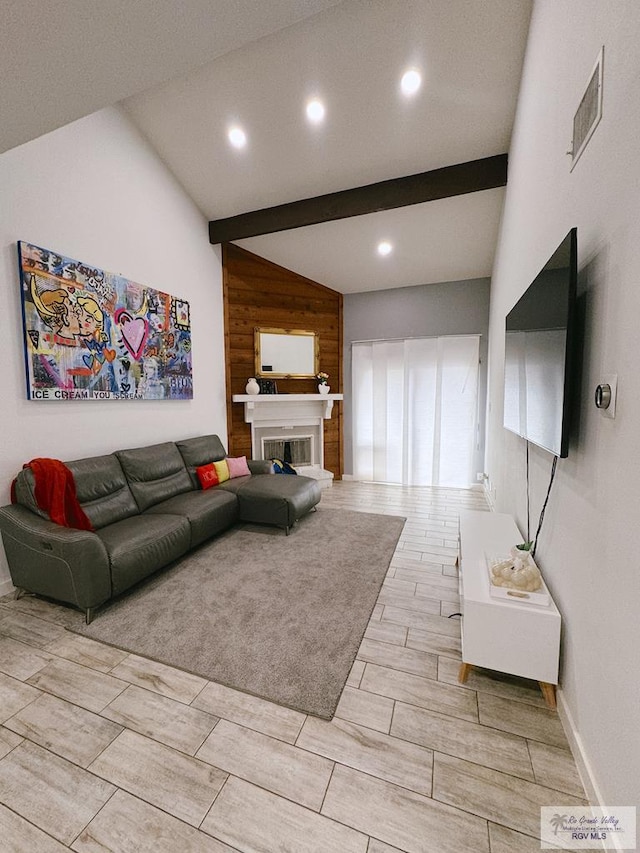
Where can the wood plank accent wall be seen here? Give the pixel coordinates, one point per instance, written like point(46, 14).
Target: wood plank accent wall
point(260, 293)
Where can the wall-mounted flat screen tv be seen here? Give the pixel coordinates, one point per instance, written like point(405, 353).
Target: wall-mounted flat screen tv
point(538, 370)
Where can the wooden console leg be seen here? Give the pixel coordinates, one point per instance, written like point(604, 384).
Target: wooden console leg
point(463, 672)
point(549, 693)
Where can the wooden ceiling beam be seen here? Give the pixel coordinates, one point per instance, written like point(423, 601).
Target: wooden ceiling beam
point(471, 177)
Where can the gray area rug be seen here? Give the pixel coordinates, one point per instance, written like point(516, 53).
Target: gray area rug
point(276, 616)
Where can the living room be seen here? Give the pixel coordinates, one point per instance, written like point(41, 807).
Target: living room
point(96, 188)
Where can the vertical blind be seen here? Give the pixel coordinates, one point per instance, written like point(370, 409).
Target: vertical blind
point(415, 410)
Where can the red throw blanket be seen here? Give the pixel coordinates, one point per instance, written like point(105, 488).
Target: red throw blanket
point(55, 493)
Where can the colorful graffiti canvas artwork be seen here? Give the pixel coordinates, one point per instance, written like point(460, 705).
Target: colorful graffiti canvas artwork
point(94, 335)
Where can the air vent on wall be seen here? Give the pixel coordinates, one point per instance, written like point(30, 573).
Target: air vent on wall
point(588, 113)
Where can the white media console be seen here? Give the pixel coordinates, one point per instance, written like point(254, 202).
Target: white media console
point(503, 635)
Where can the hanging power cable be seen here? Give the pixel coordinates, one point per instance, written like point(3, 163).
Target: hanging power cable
point(544, 506)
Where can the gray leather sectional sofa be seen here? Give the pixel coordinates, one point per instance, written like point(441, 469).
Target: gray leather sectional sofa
point(147, 510)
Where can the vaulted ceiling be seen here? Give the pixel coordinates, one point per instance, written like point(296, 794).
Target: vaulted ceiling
point(185, 72)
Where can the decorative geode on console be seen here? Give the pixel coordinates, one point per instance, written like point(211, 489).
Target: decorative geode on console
point(518, 573)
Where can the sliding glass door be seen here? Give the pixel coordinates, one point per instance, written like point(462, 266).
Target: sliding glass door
point(415, 418)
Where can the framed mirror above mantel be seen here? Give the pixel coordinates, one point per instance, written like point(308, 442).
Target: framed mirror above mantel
point(286, 353)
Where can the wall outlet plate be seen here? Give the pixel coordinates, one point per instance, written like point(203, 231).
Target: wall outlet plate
point(610, 379)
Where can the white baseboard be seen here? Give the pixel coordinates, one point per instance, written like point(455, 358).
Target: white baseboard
point(348, 477)
point(6, 587)
point(487, 494)
point(585, 770)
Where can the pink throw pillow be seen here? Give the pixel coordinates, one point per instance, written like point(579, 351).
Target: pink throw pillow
point(238, 466)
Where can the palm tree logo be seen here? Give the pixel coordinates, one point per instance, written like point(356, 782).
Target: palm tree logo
point(557, 821)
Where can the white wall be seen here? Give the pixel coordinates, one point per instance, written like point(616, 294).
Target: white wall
point(95, 191)
point(587, 548)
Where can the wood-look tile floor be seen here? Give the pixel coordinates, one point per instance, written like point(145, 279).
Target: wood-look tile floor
point(101, 750)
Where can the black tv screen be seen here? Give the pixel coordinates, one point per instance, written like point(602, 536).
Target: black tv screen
point(538, 353)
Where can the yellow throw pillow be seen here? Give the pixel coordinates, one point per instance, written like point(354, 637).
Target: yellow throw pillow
point(223, 470)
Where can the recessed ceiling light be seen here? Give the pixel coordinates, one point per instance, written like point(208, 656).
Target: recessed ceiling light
point(384, 248)
point(315, 111)
point(411, 82)
point(237, 137)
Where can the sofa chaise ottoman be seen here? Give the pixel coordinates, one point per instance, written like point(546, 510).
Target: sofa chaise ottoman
point(147, 510)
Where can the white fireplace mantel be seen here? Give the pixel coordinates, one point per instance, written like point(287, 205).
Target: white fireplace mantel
point(269, 406)
point(286, 412)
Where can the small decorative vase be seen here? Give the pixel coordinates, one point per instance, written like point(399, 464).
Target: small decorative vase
point(521, 558)
point(252, 386)
point(324, 388)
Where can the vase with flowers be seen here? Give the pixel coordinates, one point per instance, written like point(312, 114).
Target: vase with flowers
point(323, 386)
